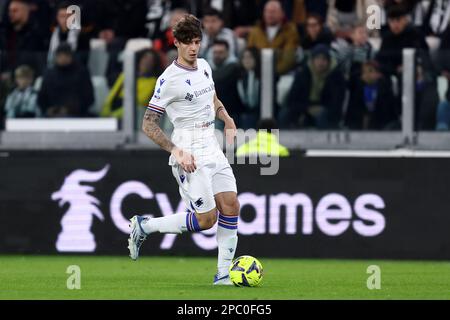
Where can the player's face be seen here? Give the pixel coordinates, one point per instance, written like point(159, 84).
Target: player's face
point(188, 51)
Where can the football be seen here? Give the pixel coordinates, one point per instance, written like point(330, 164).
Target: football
point(246, 271)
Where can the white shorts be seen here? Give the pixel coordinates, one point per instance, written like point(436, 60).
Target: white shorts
point(197, 189)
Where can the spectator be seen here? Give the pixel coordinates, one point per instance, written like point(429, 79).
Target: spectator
point(443, 112)
point(148, 70)
point(319, 7)
point(3, 13)
point(21, 40)
point(298, 10)
point(407, 5)
point(165, 41)
point(431, 16)
point(295, 11)
point(213, 28)
point(66, 88)
point(40, 14)
point(158, 15)
point(372, 105)
point(117, 22)
point(225, 71)
point(78, 40)
point(313, 32)
point(120, 20)
point(238, 15)
point(443, 56)
point(401, 34)
point(276, 33)
point(249, 87)
point(4, 90)
point(342, 14)
point(426, 98)
point(317, 93)
point(22, 102)
point(353, 52)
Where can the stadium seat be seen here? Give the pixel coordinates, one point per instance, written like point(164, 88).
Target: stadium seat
point(101, 91)
point(442, 83)
point(98, 57)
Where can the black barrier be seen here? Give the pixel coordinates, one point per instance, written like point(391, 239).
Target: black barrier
point(75, 202)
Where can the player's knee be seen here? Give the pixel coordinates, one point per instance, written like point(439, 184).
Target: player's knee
point(207, 220)
point(231, 208)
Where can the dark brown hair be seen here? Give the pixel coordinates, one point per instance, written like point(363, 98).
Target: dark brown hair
point(188, 28)
point(315, 16)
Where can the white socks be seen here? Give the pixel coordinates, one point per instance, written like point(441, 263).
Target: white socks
point(174, 223)
point(226, 241)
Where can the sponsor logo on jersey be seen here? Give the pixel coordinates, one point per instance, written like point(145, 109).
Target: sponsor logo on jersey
point(204, 91)
point(189, 96)
point(204, 124)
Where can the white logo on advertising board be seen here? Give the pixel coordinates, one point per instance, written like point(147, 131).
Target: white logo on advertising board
point(76, 235)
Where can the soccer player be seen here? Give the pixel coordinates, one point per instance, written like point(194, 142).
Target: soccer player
point(206, 182)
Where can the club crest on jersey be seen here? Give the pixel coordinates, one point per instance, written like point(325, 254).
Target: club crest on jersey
point(206, 74)
point(189, 97)
point(182, 177)
point(199, 203)
point(188, 82)
point(161, 82)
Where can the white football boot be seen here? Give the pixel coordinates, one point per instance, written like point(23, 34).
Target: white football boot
point(137, 237)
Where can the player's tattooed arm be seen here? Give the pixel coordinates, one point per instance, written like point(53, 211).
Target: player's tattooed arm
point(151, 127)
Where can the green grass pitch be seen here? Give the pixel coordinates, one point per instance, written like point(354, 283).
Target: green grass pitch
point(176, 278)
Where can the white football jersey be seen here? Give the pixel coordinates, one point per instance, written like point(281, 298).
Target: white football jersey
point(187, 96)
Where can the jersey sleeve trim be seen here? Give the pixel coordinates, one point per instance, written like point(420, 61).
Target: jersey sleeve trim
point(154, 107)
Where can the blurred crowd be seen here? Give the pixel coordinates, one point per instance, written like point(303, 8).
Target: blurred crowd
point(331, 71)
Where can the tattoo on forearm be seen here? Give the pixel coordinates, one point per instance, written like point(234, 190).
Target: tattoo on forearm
point(150, 126)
